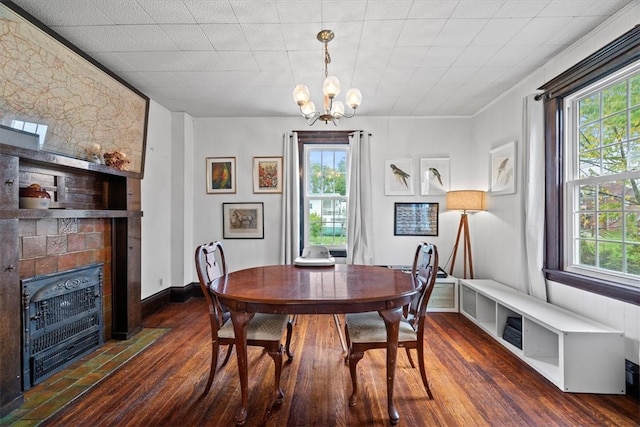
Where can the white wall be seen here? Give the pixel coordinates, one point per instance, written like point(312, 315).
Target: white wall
point(156, 203)
point(178, 214)
point(242, 139)
point(182, 246)
point(498, 248)
point(392, 138)
point(417, 138)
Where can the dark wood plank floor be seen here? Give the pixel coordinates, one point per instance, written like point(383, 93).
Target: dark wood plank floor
point(474, 380)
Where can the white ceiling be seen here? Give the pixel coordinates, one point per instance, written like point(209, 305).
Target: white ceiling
point(242, 58)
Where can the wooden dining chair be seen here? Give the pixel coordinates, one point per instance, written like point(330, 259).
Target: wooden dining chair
point(263, 330)
point(366, 331)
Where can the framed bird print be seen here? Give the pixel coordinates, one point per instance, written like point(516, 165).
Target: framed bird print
point(398, 177)
point(434, 176)
point(503, 169)
point(221, 175)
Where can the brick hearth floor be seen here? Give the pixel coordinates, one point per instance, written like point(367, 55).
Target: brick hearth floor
point(51, 395)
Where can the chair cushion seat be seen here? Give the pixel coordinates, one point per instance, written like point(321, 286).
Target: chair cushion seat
point(369, 327)
point(263, 327)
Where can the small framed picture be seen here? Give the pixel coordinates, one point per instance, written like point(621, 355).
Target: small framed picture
point(415, 219)
point(434, 176)
point(221, 175)
point(267, 174)
point(243, 220)
point(503, 169)
point(398, 177)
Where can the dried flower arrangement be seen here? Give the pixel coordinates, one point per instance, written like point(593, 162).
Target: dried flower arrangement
point(116, 160)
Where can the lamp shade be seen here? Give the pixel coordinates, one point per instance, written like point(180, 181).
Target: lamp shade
point(337, 110)
point(301, 94)
point(308, 108)
point(354, 98)
point(465, 200)
point(331, 87)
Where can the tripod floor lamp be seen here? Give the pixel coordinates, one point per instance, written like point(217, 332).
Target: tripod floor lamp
point(464, 200)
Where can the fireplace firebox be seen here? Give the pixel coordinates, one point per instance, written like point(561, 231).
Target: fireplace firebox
point(62, 320)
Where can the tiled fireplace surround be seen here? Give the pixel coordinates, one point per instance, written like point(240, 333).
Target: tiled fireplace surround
point(95, 216)
point(50, 245)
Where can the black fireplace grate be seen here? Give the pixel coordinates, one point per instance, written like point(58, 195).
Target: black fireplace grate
point(62, 320)
point(57, 357)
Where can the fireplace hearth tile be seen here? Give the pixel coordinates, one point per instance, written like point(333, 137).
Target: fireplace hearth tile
point(45, 399)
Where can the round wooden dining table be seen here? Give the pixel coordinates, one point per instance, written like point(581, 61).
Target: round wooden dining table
point(293, 290)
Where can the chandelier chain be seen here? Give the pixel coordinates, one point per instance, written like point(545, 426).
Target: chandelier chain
point(327, 59)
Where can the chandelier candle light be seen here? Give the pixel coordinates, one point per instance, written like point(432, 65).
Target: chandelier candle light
point(333, 110)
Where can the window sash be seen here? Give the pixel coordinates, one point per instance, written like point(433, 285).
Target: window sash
point(594, 254)
point(330, 232)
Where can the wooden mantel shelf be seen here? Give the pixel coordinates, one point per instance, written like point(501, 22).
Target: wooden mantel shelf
point(67, 213)
point(49, 159)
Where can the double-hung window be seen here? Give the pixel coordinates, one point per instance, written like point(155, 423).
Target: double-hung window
point(603, 178)
point(324, 190)
point(592, 162)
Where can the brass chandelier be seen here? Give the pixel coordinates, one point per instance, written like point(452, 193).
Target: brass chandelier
point(333, 110)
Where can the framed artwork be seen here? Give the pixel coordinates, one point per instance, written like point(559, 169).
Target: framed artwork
point(79, 108)
point(243, 220)
point(398, 177)
point(415, 219)
point(221, 175)
point(267, 174)
point(503, 169)
point(434, 176)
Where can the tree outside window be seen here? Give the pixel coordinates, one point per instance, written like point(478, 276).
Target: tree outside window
point(607, 151)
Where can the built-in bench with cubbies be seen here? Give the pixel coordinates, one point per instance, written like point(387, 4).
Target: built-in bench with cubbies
point(574, 353)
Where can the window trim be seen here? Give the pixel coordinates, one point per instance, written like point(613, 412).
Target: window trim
point(321, 138)
point(616, 55)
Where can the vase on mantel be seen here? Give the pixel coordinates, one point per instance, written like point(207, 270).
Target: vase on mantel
point(34, 197)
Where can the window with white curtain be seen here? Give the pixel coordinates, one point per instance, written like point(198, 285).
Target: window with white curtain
point(602, 194)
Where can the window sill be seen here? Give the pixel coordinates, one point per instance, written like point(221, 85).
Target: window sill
point(621, 292)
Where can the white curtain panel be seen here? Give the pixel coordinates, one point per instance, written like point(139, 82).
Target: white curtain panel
point(534, 194)
point(290, 243)
point(359, 207)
